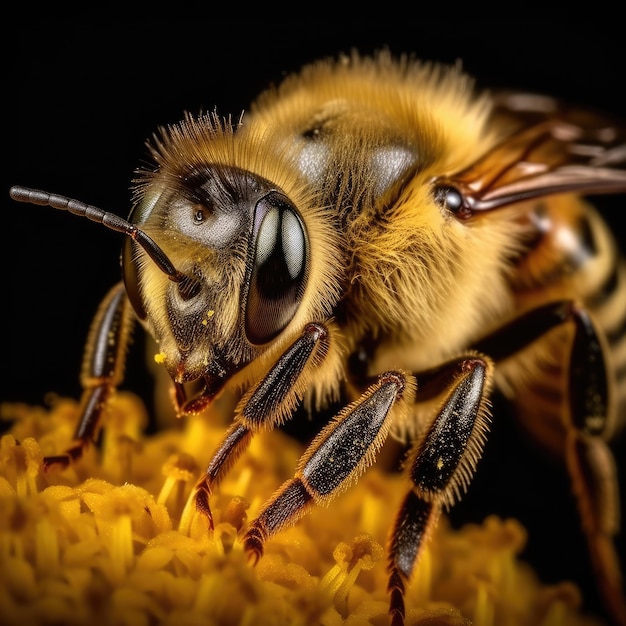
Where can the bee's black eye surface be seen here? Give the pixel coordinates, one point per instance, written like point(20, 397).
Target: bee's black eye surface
point(279, 270)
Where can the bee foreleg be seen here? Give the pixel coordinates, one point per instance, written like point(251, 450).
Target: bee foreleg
point(268, 404)
point(440, 466)
point(336, 458)
point(102, 370)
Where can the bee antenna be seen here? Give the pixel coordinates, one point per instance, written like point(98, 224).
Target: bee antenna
point(110, 220)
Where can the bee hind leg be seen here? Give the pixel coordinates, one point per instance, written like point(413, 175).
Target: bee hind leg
point(440, 466)
point(588, 459)
point(591, 463)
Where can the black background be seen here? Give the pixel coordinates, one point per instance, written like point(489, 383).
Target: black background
point(80, 101)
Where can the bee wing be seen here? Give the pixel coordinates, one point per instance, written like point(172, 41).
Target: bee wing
point(551, 149)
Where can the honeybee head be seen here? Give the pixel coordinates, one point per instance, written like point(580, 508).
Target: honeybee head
point(243, 248)
point(218, 260)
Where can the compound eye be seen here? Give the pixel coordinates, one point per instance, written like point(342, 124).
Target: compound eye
point(279, 270)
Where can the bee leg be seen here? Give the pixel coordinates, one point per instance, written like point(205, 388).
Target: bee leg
point(440, 466)
point(523, 330)
point(414, 523)
point(336, 457)
point(588, 458)
point(102, 370)
point(269, 403)
point(591, 463)
point(591, 466)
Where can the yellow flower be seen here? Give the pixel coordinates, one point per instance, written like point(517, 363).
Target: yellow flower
point(111, 540)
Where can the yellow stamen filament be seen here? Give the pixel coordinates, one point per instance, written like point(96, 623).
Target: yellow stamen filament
point(556, 615)
point(484, 610)
point(362, 554)
point(120, 545)
point(46, 545)
point(561, 603)
point(189, 517)
point(22, 461)
point(179, 470)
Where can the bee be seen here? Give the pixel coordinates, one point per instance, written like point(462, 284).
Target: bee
point(377, 232)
